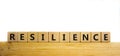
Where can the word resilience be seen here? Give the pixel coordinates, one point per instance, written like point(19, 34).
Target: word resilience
point(58, 36)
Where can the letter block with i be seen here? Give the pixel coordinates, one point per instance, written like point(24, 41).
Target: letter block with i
point(54, 37)
point(43, 36)
point(12, 37)
point(64, 36)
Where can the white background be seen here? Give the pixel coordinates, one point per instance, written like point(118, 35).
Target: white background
point(60, 15)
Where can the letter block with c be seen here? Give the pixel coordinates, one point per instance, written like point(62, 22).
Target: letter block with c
point(96, 37)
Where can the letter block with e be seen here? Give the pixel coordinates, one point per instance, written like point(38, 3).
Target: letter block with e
point(22, 37)
point(74, 36)
point(105, 36)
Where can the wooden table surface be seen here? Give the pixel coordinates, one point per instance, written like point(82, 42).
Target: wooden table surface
point(59, 49)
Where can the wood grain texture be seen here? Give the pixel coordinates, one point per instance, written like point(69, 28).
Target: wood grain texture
point(59, 49)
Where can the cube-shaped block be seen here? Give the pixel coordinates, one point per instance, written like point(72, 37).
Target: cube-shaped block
point(32, 37)
point(22, 36)
point(85, 36)
point(42, 36)
point(64, 36)
point(96, 37)
point(74, 36)
point(54, 37)
point(12, 37)
point(105, 36)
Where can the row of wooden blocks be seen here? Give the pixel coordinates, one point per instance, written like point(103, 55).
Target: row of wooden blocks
point(58, 36)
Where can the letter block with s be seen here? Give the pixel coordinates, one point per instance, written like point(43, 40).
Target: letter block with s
point(32, 37)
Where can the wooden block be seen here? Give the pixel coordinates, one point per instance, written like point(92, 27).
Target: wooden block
point(85, 36)
point(64, 36)
point(95, 37)
point(32, 37)
point(42, 36)
point(105, 36)
point(74, 36)
point(22, 36)
point(12, 37)
point(54, 37)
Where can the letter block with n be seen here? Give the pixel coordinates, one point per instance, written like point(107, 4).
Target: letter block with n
point(12, 37)
point(85, 36)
